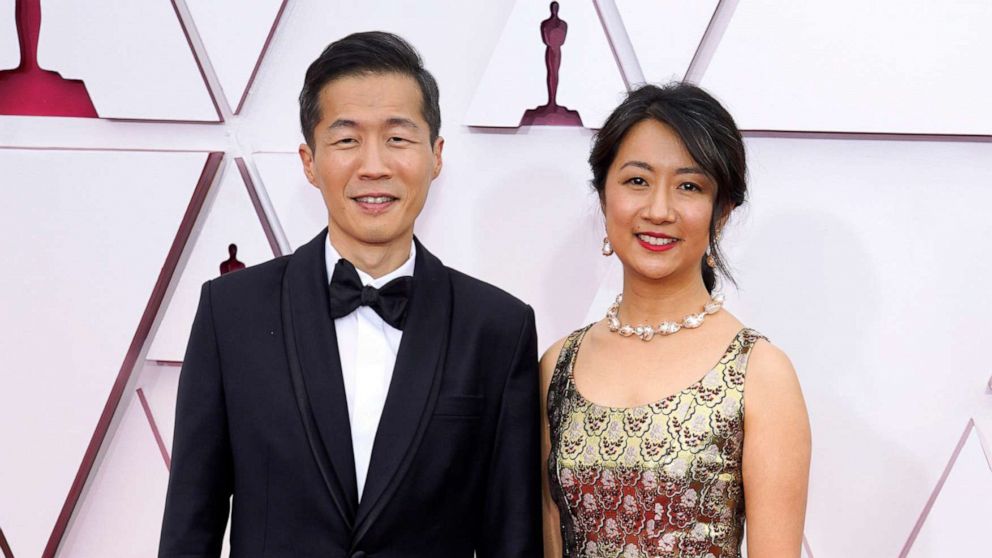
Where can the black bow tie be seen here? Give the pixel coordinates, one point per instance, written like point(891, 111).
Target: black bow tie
point(347, 294)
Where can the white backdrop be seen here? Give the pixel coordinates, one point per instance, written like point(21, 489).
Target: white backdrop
point(862, 252)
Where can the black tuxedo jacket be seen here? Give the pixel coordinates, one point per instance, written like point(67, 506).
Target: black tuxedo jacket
point(262, 416)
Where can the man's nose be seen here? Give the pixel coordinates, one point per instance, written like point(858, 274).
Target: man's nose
point(374, 162)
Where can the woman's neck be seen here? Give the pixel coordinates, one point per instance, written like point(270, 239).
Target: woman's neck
point(652, 301)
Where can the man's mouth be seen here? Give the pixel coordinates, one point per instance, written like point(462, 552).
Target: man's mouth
point(375, 199)
point(375, 203)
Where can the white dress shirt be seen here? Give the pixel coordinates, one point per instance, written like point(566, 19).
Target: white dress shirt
point(367, 348)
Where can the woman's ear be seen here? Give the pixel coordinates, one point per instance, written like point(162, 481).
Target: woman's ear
point(721, 221)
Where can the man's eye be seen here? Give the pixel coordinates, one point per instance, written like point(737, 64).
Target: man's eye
point(345, 141)
point(397, 139)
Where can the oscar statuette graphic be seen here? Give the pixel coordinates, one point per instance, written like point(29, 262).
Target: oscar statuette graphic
point(29, 90)
point(232, 263)
point(553, 31)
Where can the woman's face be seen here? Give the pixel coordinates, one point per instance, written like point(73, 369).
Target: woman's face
point(658, 203)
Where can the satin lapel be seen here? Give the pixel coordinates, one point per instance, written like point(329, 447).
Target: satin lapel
point(316, 365)
point(413, 388)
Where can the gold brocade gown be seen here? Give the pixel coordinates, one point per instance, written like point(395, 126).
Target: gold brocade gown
point(661, 480)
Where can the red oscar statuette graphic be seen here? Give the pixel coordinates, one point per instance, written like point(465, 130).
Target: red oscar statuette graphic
point(29, 90)
point(231, 263)
point(553, 31)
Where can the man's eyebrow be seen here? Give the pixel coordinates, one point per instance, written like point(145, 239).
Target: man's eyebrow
point(402, 122)
point(391, 122)
point(342, 123)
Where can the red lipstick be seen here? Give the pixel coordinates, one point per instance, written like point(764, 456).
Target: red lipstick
point(656, 247)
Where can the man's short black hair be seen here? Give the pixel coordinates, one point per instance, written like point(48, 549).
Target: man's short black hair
point(370, 52)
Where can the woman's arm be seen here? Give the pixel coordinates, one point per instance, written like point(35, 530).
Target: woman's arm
point(552, 525)
point(776, 455)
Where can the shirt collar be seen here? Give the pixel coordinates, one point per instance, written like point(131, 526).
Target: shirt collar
point(331, 257)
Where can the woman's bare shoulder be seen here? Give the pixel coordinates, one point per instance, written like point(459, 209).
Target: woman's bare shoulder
point(767, 363)
point(771, 386)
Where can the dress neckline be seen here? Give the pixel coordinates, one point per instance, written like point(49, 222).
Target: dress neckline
point(584, 400)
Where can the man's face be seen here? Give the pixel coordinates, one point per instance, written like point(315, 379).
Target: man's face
point(372, 159)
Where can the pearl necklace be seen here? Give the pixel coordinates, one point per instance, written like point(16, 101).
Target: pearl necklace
point(647, 333)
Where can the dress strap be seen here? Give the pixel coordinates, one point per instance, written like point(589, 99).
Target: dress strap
point(561, 378)
point(748, 339)
point(558, 404)
point(563, 366)
point(565, 354)
point(734, 362)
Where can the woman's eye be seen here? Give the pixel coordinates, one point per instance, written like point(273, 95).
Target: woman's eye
point(690, 186)
point(636, 181)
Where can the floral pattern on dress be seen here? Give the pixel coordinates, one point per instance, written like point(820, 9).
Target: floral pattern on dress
point(661, 480)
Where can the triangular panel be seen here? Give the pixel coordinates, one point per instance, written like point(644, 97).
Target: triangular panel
point(10, 49)
point(960, 507)
point(133, 56)
point(159, 382)
point(125, 495)
point(298, 204)
point(73, 306)
point(610, 284)
point(227, 218)
point(235, 34)
point(129, 487)
point(852, 66)
point(665, 35)
point(516, 77)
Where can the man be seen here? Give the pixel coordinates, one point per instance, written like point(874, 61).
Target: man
point(358, 398)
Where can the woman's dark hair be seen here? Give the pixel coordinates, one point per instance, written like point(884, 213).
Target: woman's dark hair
point(370, 52)
point(709, 134)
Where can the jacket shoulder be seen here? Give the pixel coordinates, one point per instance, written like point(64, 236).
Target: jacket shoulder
point(487, 298)
point(252, 283)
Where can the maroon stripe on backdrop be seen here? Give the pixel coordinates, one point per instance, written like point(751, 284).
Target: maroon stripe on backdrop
point(866, 136)
point(199, 63)
point(261, 55)
point(203, 185)
point(5, 547)
point(936, 490)
point(155, 432)
point(170, 363)
point(255, 201)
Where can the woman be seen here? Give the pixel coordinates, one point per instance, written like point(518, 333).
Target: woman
point(645, 439)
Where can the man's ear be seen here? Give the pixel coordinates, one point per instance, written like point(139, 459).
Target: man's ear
point(438, 163)
point(306, 157)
